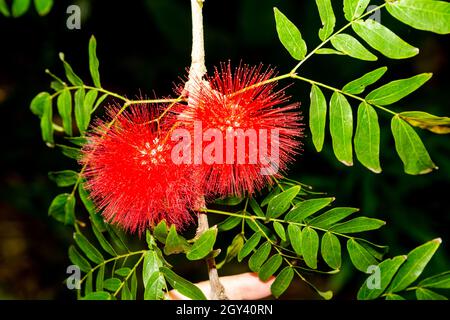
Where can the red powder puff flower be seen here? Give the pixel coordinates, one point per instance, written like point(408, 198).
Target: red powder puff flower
point(130, 174)
point(259, 131)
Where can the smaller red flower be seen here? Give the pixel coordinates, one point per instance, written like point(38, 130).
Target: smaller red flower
point(241, 105)
point(130, 174)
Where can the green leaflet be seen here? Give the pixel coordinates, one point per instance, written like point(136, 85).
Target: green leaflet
point(416, 262)
point(384, 40)
point(358, 224)
point(387, 270)
point(439, 281)
point(43, 7)
point(310, 246)
point(347, 44)
point(410, 148)
point(281, 202)
point(89, 250)
point(367, 138)
point(359, 85)
point(332, 216)
point(282, 281)
point(354, 8)
point(423, 120)
point(270, 267)
point(295, 236)
point(327, 17)
point(64, 104)
point(307, 208)
point(290, 36)
point(360, 257)
point(341, 128)
point(47, 121)
point(184, 286)
point(331, 250)
point(63, 178)
point(259, 257)
point(203, 245)
point(19, 7)
point(40, 102)
point(396, 90)
point(317, 117)
point(93, 62)
point(77, 259)
point(249, 245)
point(422, 14)
point(70, 74)
point(426, 294)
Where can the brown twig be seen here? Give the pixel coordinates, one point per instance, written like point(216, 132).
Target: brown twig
point(196, 73)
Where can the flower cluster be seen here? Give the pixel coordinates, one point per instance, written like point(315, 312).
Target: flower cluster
point(130, 169)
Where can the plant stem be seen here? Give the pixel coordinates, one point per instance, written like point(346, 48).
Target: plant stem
point(196, 73)
point(319, 84)
point(337, 32)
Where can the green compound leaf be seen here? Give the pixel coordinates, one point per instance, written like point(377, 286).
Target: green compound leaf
point(383, 40)
point(410, 148)
point(290, 36)
point(426, 15)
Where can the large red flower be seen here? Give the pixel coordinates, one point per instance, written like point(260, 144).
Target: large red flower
point(240, 105)
point(130, 174)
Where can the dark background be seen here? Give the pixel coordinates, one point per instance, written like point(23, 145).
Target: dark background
point(143, 47)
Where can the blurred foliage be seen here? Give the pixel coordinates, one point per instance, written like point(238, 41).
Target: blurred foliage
point(144, 47)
